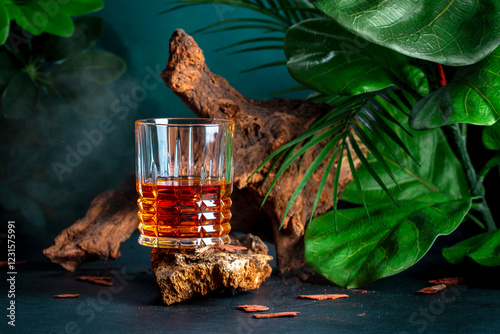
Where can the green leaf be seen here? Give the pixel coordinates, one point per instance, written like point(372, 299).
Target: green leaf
point(86, 97)
point(80, 7)
point(87, 32)
point(440, 170)
point(7, 70)
point(327, 58)
point(54, 17)
point(471, 97)
point(483, 248)
point(4, 23)
point(19, 99)
point(491, 136)
point(434, 200)
point(26, 20)
point(361, 251)
point(455, 32)
point(97, 66)
point(60, 24)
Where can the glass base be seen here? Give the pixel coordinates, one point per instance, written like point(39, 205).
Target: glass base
point(184, 243)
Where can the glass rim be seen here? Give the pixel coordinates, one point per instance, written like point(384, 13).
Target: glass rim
point(184, 121)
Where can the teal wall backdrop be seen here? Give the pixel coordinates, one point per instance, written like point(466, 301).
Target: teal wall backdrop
point(44, 199)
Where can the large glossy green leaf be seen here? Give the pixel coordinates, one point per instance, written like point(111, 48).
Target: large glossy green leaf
point(325, 57)
point(97, 66)
point(4, 23)
point(87, 32)
point(471, 97)
point(439, 172)
point(361, 251)
point(451, 32)
point(86, 97)
point(19, 98)
point(433, 201)
point(483, 248)
point(491, 136)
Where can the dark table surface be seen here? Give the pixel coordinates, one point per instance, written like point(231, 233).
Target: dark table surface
point(133, 305)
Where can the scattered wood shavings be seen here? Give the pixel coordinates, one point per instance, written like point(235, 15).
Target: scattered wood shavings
point(230, 248)
point(102, 280)
point(275, 315)
point(448, 280)
point(431, 290)
point(67, 295)
point(361, 315)
point(6, 263)
point(253, 308)
point(323, 297)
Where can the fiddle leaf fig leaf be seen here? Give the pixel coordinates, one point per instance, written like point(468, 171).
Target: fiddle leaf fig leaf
point(471, 97)
point(358, 251)
point(457, 32)
point(327, 58)
point(483, 249)
point(491, 136)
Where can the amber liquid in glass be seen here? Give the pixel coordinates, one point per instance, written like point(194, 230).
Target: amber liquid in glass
point(184, 213)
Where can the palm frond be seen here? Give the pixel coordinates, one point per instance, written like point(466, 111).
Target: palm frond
point(361, 118)
point(279, 16)
point(251, 41)
point(266, 23)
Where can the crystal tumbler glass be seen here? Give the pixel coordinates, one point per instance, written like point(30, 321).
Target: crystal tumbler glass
point(184, 179)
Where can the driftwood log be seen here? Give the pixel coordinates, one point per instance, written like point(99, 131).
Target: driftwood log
point(110, 220)
point(261, 128)
point(183, 274)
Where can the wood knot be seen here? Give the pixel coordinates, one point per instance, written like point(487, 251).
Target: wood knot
point(228, 107)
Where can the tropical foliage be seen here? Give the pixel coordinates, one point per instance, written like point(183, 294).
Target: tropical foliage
point(44, 74)
point(381, 64)
point(37, 17)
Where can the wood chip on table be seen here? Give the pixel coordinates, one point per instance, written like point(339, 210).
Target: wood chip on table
point(323, 297)
point(275, 315)
point(361, 315)
point(448, 280)
point(102, 280)
point(253, 308)
point(230, 248)
point(431, 290)
point(67, 295)
point(6, 263)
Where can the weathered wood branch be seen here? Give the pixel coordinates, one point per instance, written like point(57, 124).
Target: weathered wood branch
point(110, 220)
point(261, 128)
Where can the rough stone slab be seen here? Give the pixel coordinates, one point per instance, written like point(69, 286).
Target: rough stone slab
point(182, 274)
